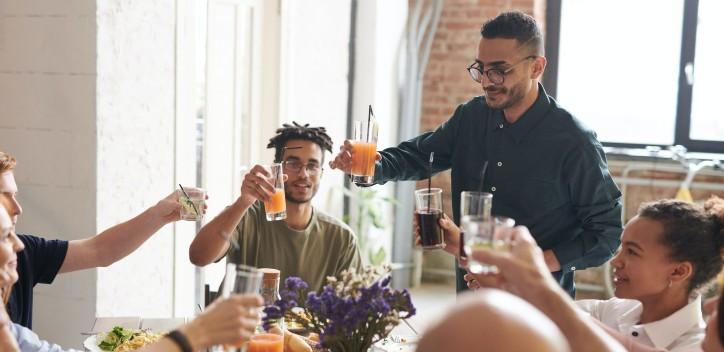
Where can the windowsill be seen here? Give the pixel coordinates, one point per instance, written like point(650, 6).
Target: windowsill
point(653, 154)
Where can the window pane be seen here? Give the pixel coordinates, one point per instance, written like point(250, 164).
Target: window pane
point(618, 67)
point(707, 119)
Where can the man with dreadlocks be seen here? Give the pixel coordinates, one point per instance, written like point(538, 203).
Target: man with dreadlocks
point(308, 243)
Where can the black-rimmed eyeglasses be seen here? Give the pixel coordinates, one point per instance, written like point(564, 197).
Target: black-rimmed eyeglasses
point(313, 168)
point(495, 75)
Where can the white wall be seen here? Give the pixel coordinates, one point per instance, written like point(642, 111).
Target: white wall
point(87, 99)
point(314, 68)
point(47, 102)
point(88, 105)
point(380, 26)
point(135, 126)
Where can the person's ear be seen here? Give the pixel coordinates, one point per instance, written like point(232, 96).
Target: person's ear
point(682, 272)
point(538, 67)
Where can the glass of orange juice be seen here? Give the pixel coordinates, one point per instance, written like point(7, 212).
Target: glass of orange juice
point(276, 207)
point(266, 342)
point(364, 150)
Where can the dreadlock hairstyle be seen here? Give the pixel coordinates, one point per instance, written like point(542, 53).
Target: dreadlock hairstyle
point(296, 131)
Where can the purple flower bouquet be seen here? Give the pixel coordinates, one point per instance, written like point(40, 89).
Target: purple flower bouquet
point(349, 314)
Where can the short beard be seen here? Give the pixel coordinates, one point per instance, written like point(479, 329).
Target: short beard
point(515, 95)
point(290, 198)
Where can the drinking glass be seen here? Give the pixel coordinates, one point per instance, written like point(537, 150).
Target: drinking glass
point(276, 207)
point(472, 204)
point(364, 151)
point(428, 212)
point(241, 279)
point(266, 342)
point(487, 233)
point(192, 203)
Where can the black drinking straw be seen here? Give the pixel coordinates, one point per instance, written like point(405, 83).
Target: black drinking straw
point(189, 198)
point(370, 115)
point(429, 181)
point(482, 176)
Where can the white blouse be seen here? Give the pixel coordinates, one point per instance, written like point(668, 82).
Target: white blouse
point(681, 331)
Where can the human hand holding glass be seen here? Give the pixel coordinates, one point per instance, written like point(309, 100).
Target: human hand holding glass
point(522, 269)
point(276, 204)
point(472, 205)
point(266, 183)
point(193, 203)
point(364, 152)
point(489, 234)
point(450, 231)
point(241, 279)
point(428, 203)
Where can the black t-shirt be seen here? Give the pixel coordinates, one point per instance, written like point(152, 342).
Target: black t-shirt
point(39, 262)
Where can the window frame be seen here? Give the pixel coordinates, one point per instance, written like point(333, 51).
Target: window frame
point(682, 128)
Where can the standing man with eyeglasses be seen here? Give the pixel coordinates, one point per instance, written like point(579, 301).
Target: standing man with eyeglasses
point(308, 243)
point(544, 168)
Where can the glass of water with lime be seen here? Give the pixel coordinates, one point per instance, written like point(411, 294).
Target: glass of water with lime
point(485, 233)
point(192, 202)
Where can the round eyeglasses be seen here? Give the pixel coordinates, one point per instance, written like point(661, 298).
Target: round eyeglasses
point(495, 75)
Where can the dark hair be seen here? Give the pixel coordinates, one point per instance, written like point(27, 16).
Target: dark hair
point(515, 25)
point(693, 233)
point(296, 131)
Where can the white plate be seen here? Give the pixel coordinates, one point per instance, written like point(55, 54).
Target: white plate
point(407, 344)
point(91, 344)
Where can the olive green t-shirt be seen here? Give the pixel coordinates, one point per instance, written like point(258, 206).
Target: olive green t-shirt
point(325, 248)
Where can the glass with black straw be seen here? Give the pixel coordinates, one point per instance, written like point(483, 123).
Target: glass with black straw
point(428, 211)
point(474, 206)
point(364, 150)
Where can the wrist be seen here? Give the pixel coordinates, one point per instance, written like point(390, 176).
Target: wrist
point(548, 297)
point(155, 215)
point(242, 202)
point(195, 335)
point(551, 260)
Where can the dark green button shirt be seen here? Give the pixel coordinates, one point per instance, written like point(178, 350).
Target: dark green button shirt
point(547, 171)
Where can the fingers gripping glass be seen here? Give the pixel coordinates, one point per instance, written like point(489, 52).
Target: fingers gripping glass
point(495, 75)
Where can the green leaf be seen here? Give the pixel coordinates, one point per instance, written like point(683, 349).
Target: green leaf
point(379, 257)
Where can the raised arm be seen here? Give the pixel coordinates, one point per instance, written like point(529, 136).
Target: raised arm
point(409, 160)
point(523, 272)
point(227, 321)
point(121, 240)
point(212, 241)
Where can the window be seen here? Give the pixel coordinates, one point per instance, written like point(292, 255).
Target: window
point(707, 119)
point(639, 72)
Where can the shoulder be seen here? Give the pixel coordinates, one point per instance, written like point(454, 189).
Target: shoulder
point(329, 222)
point(34, 243)
point(473, 107)
point(601, 309)
point(29, 341)
point(565, 123)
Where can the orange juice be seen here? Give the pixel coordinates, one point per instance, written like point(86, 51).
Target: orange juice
point(277, 204)
point(363, 158)
point(266, 343)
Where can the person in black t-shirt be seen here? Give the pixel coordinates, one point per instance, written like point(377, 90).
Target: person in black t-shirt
point(43, 259)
